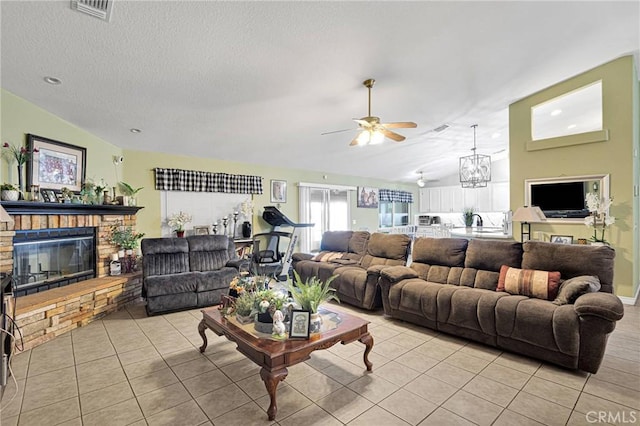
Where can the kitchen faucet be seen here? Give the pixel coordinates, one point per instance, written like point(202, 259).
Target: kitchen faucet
point(478, 221)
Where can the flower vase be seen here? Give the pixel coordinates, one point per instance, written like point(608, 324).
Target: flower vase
point(180, 233)
point(20, 184)
point(246, 229)
point(315, 323)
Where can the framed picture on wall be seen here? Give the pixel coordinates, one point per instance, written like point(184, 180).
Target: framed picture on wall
point(55, 165)
point(278, 191)
point(368, 198)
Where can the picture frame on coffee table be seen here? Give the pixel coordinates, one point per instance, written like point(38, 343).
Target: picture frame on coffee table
point(299, 324)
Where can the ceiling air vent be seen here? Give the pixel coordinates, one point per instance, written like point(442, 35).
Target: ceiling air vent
point(100, 9)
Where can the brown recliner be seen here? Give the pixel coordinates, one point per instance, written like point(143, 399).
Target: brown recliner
point(451, 287)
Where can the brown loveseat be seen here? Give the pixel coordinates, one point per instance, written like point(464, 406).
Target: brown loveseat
point(356, 258)
point(451, 286)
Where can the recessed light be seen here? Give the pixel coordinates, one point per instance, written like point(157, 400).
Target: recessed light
point(572, 126)
point(53, 80)
point(134, 130)
point(556, 112)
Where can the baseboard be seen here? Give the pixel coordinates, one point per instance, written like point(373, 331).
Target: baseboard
point(630, 300)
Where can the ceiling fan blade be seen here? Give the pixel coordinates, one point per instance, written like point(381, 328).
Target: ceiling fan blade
point(391, 135)
point(336, 131)
point(354, 142)
point(400, 125)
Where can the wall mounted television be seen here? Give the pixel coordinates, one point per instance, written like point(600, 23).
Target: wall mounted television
point(563, 198)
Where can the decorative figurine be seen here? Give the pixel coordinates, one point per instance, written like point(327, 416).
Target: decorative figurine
point(278, 324)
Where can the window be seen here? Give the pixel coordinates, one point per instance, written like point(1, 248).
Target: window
point(394, 213)
point(328, 208)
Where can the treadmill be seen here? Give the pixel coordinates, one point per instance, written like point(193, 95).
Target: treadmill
point(282, 224)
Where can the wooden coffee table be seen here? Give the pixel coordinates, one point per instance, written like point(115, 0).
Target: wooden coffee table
point(274, 356)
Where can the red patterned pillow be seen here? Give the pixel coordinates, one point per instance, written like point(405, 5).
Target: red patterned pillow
point(529, 282)
point(327, 256)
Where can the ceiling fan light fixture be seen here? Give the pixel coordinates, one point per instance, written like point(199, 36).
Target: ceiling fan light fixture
point(421, 181)
point(475, 169)
point(363, 138)
point(376, 138)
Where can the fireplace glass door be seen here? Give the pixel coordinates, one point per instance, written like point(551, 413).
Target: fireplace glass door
point(53, 261)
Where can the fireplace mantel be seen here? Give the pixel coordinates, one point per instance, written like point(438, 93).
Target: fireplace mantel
point(31, 207)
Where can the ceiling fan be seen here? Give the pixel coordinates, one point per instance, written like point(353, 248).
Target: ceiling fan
point(372, 131)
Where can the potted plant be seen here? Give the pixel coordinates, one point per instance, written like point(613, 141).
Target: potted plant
point(125, 237)
point(177, 221)
point(20, 155)
point(128, 193)
point(310, 294)
point(467, 215)
point(599, 215)
point(243, 307)
point(9, 192)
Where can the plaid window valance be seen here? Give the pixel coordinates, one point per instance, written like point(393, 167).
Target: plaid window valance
point(396, 195)
point(192, 180)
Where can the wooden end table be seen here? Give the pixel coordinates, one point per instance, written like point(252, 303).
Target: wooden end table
point(274, 356)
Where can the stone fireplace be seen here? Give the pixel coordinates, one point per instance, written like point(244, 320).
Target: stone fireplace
point(62, 304)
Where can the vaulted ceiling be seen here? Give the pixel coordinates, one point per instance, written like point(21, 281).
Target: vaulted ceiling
point(260, 81)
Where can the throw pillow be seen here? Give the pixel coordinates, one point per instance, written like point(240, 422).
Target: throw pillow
point(327, 256)
point(575, 287)
point(529, 282)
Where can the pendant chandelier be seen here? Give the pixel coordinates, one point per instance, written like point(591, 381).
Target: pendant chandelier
point(475, 169)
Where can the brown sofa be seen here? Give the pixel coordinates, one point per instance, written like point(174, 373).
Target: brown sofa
point(356, 258)
point(451, 286)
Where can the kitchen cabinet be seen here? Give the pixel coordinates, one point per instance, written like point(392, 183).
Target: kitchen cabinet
point(452, 199)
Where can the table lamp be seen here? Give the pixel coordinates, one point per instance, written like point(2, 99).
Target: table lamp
point(527, 215)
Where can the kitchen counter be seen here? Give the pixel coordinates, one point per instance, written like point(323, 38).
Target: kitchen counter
point(481, 232)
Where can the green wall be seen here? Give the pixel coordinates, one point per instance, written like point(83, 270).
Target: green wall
point(20, 117)
point(149, 218)
point(614, 157)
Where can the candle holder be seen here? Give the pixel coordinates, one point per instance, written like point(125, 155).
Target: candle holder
point(225, 222)
point(235, 223)
point(215, 228)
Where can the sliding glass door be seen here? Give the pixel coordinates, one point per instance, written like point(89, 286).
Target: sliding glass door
point(328, 208)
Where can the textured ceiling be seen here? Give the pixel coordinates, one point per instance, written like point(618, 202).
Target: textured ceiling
point(260, 81)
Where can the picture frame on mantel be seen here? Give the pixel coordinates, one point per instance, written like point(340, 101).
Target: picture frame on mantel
point(56, 164)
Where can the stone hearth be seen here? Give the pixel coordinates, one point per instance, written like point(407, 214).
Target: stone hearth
point(44, 315)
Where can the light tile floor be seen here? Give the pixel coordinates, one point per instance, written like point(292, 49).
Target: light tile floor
point(130, 369)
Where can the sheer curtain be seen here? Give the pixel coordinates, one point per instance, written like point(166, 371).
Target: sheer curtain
point(326, 206)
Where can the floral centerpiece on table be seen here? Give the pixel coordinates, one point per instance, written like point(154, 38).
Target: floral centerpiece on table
point(20, 155)
point(241, 284)
point(177, 221)
point(599, 217)
point(265, 304)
